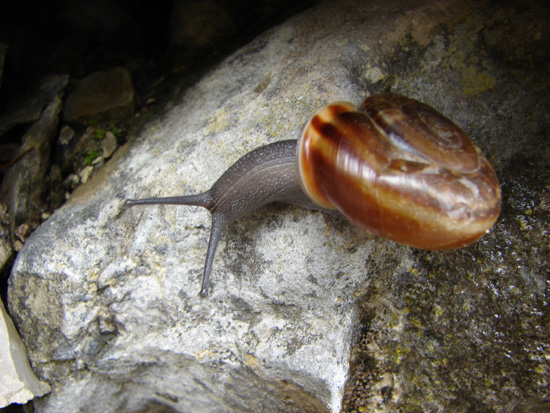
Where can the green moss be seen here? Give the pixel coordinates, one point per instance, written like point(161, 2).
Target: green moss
point(99, 133)
point(91, 156)
point(117, 132)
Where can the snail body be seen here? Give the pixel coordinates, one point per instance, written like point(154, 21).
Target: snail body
point(393, 166)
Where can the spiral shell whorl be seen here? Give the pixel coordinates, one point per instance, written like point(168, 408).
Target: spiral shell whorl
point(401, 170)
point(416, 127)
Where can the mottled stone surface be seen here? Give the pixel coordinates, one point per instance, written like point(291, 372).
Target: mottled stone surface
point(25, 185)
point(106, 95)
point(106, 299)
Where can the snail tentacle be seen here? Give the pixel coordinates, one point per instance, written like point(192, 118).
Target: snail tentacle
point(218, 224)
point(203, 199)
point(264, 175)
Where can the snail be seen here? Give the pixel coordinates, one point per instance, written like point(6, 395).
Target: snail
point(393, 166)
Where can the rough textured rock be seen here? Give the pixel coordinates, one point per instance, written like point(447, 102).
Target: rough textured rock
point(106, 299)
point(18, 384)
point(25, 183)
point(106, 95)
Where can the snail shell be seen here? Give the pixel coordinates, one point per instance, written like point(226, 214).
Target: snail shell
point(398, 168)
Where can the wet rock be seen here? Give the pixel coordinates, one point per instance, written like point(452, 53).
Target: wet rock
point(18, 384)
point(25, 185)
point(103, 96)
point(106, 298)
point(26, 109)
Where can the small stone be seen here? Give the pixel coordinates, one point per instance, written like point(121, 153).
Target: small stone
point(23, 231)
point(66, 135)
point(72, 181)
point(109, 145)
point(86, 173)
point(17, 245)
point(97, 161)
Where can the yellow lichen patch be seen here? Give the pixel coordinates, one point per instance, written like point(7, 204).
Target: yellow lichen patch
point(374, 74)
point(218, 122)
point(438, 311)
point(251, 361)
point(474, 82)
point(415, 322)
point(400, 353)
point(202, 354)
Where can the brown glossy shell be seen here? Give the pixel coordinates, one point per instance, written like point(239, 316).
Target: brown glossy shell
point(401, 170)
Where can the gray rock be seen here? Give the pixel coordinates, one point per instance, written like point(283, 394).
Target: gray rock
point(106, 299)
point(18, 384)
point(25, 185)
point(27, 109)
point(86, 173)
point(107, 96)
point(109, 145)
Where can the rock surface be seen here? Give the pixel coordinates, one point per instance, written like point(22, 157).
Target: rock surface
point(6, 249)
point(25, 185)
point(106, 299)
point(18, 384)
point(106, 95)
